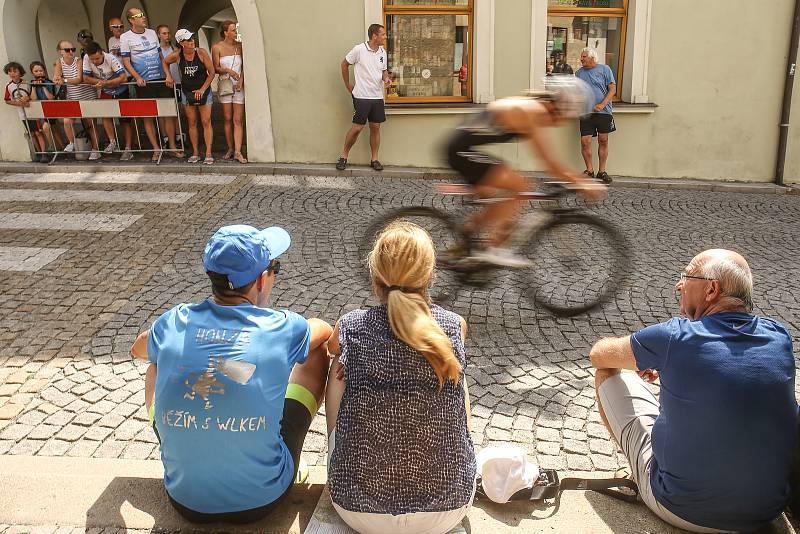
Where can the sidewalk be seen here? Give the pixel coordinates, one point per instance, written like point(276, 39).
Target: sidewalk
point(317, 169)
point(45, 494)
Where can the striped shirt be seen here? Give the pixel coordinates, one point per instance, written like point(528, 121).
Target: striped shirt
point(76, 92)
point(402, 445)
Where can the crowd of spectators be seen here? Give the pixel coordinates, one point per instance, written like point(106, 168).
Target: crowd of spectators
point(137, 63)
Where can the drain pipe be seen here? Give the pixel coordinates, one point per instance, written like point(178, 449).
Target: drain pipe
point(787, 96)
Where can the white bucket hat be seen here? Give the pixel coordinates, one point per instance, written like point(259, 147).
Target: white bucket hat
point(504, 471)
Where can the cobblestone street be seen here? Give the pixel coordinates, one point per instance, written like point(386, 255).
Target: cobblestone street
point(89, 260)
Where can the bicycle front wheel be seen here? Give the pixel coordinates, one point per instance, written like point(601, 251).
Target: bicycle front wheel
point(578, 263)
point(447, 243)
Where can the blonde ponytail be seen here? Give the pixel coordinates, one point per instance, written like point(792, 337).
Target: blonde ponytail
point(401, 264)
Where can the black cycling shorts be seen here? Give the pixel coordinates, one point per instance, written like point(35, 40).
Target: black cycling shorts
point(595, 123)
point(368, 109)
point(473, 165)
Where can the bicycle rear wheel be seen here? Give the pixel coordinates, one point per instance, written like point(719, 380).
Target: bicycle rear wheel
point(447, 242)
point(579, 262)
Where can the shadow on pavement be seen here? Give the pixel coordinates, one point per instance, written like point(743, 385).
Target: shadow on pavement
point(139, 503)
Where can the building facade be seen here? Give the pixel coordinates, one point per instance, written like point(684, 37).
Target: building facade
point(693, 101)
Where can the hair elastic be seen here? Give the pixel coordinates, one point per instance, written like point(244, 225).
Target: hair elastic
point(398, 288)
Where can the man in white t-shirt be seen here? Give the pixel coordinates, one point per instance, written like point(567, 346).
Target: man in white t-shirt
point(116, 28)
point(141, 56)
point(371, 79)
point(105, 71)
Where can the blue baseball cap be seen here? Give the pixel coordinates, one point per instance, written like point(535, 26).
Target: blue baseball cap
point(242, 252)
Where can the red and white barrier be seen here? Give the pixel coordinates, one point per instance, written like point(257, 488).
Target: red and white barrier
point(98, 109)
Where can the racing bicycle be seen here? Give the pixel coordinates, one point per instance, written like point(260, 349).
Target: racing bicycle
point(576, 260)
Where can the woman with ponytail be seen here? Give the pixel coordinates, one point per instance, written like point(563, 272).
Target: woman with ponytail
point(400, 456)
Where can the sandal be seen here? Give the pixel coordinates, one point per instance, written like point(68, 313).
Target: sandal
point(229, 154)
point(178, 154)
point(193, 159)
point(209, 160)
point(238, 157)
point(156, 157)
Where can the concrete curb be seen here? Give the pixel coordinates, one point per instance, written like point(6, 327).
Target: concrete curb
point(101, 493)
point(356, 171)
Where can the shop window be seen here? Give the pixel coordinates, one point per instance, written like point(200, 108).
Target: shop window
point(430, 50)
point(573, 25)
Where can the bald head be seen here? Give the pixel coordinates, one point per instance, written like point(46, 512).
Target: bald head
point(731, 270)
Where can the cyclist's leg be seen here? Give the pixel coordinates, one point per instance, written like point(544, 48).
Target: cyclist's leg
point(499, 217)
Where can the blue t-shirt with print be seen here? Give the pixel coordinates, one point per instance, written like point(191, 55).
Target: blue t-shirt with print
point(726, 432)
point(220, 389)
point(598, 78)
point(144, 52)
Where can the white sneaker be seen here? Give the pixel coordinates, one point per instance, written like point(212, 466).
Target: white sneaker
point(111, 148)
point(127, 155)
point(94, 155)
point(70, 148)
point(501, 256)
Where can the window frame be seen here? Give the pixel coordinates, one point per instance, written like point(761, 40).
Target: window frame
point(468, 10)
point(601, 12)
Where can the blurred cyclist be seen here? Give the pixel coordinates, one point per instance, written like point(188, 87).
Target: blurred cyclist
point(510, 119)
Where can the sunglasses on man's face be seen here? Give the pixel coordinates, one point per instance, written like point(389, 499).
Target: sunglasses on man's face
point(117, 26)
point(69, 50)
point(137, 16)
point(274, 267)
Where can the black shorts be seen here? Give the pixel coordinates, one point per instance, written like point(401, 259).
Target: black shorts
point(32, 126)
point(154, 89)
point(473, 165)
point(368, 109)
point(596, 123)
point(295, 422)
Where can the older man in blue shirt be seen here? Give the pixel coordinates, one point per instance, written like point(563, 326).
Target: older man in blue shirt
point(600, 122)
point(713, 453)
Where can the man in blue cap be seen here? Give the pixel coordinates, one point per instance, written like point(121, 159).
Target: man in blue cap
point(233, 385)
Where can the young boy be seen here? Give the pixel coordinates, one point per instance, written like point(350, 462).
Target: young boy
point(18, 94)
point(45, 89)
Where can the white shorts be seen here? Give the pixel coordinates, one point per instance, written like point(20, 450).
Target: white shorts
point(631, 410)
point(236, 98)
point(417, 522)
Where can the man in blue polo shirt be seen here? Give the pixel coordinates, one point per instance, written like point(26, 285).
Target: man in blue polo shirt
point(600, 122)
point(233, 385)
point(715, 451)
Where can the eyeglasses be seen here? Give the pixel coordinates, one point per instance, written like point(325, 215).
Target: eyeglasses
point(137, 16)
point(85, 36)
point(117, 26)
point(685, 276)
point(69, 50)
point(274, 267)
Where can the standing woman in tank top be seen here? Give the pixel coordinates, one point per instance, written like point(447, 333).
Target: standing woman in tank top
point(69, 71)
point(227, 56)
point(197, 73)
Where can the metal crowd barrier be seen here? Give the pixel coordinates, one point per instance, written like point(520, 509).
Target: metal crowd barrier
point(127, 108)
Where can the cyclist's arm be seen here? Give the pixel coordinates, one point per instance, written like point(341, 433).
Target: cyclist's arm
point(540, 148)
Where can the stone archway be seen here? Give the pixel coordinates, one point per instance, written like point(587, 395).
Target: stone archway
point(19, 42)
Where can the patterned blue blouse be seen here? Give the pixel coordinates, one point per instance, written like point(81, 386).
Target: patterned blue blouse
point(402, 445)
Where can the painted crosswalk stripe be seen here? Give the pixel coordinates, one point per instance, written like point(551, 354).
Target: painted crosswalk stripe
point(91, 222)
point(116, 178)
point(27, 259)
point(50, 195)
point(313, 182)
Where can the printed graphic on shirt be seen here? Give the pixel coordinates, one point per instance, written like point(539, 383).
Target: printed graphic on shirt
point(109, 69)
point(205, 384)
point(144, 52)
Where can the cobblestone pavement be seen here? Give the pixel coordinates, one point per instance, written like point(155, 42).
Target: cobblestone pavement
point(68, 385)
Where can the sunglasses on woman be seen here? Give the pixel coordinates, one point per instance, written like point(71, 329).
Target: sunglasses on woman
point(117, 26)
point(69, 50)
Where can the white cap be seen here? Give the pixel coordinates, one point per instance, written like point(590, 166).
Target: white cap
point(183, 35)
point(504, 471)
